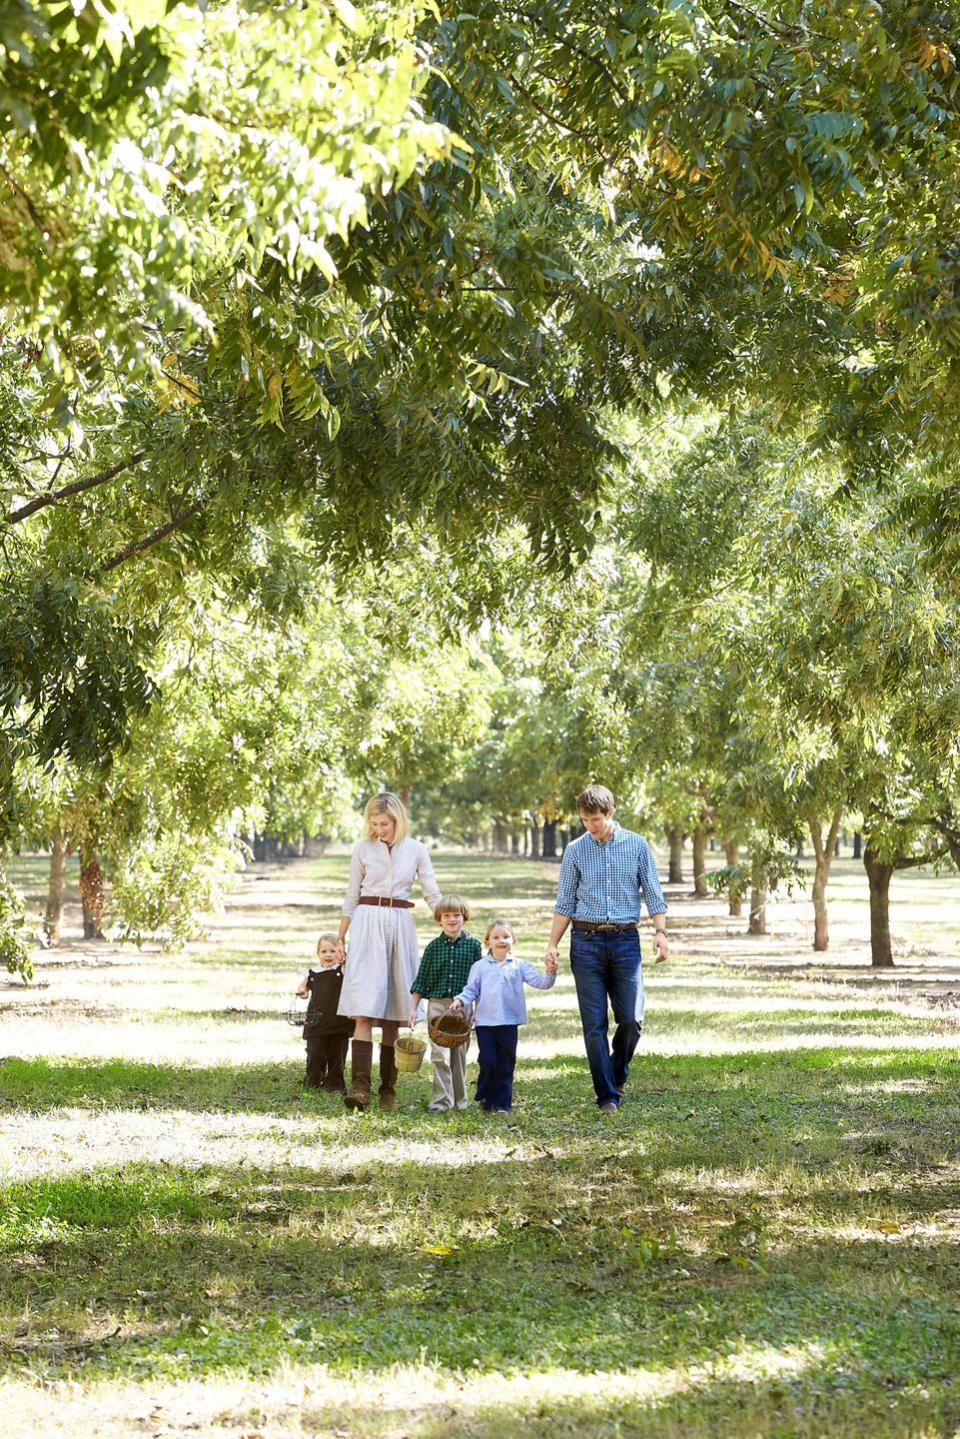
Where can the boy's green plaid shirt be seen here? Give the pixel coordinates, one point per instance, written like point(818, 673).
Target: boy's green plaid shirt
point(445, 966)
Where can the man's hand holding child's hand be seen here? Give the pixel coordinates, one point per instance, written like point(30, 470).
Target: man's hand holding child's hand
point(550, 964)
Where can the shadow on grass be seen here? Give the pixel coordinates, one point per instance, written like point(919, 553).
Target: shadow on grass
point(233, 1014)
point(832, 1078)
point(36, 1085)
point(823, 1399)
point(244, 1270)
point(823, 1129)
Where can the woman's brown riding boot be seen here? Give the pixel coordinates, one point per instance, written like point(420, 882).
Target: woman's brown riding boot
point(388, 1077)
point(361, 1061)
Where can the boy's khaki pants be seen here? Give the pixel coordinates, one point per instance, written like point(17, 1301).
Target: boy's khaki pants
point(449, 1067)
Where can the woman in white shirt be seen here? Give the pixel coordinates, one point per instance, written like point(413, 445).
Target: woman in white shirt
point(378, 911)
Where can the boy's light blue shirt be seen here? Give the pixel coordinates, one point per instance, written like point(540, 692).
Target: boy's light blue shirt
point(497, 989)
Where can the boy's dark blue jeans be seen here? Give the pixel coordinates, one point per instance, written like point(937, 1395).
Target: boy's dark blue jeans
point(606, 968)
point(497, 1044)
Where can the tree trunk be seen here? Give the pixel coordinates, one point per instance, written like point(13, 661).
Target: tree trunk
point(550, 839)
point(675, 840)
point(824, 851)
point(534, 841)
point(757, 924)
point(515, 842)
point(91, 895)
point(821, 928)
point(735, 902)
point(857, 844)
point(58, 870)
point(879, 876)
point(700, 887)
point(500, 836)
point(405, 796)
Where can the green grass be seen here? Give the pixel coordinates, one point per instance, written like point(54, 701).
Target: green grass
point(763, 1242)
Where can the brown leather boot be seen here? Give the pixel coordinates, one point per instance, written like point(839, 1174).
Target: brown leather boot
point(388, 1077)
point(361, 1062)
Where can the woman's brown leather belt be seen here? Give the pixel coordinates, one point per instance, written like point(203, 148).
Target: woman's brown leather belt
point(386, 901)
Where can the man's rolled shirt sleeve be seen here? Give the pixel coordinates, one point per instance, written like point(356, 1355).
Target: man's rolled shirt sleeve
point(649, 881)
point(567, 885)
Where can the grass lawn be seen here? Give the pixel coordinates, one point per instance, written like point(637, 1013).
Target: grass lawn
point(764, 1242)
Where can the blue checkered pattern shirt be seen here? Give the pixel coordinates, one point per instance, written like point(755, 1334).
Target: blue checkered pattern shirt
point(604, 880)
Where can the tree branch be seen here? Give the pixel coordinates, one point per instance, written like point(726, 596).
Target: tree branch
point(913, 861)
point(541, 109)
point(816, 835)
point(42, 224)
point(61, 461)
point(534, 20)
point(951, 837)
point(77, 488)
point(148, 541)
point(773, 27)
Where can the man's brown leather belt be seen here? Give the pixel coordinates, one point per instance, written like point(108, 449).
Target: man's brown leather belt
point(385, 901)
point(602, 928)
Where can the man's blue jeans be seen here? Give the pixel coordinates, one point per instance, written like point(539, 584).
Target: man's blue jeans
point(606, 967)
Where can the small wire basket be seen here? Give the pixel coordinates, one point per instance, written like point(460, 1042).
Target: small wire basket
point(450, 1030)
point(295, 1015)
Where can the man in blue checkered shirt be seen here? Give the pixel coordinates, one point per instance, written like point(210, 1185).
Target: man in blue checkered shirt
point(605, 875)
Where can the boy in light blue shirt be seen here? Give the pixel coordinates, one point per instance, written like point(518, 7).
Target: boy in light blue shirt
point(495, 986)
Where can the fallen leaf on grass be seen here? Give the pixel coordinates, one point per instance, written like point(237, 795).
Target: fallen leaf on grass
point(440, 1248)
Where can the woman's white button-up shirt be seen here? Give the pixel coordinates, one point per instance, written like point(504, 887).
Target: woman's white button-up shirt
point(388, 873)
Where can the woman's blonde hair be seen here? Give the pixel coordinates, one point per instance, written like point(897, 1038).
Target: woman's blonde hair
point(386, 803)
point(493, 925)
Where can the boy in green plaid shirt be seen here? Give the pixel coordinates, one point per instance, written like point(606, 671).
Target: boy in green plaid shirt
point(444, 968)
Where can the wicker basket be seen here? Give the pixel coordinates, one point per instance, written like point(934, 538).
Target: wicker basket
point(409, 1052)
point(450, 1030)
